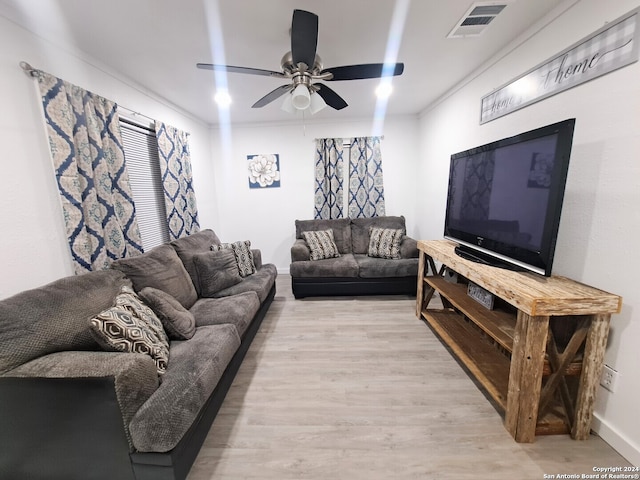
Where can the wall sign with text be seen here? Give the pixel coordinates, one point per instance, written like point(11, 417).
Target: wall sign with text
point(613, 46)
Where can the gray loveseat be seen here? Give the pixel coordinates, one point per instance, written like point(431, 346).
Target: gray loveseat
point(353, 271)
point(71, 409)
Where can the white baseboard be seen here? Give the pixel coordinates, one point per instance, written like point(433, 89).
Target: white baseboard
point(618, 442)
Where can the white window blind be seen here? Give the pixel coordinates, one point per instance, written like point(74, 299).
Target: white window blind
point(141, 158)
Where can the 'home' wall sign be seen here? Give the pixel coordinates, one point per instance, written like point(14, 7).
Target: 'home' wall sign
point(611, 47)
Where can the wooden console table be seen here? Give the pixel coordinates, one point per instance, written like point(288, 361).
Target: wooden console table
point(538, 353)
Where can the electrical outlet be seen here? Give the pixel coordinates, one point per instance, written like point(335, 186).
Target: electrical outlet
point(609, 378)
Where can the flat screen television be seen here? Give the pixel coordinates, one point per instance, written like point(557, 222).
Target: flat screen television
point(505, 198)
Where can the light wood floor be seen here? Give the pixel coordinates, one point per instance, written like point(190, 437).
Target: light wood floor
point(359, 388)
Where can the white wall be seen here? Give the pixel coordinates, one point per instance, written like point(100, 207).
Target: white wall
point(33, 246)
point(266, 216)
point(597, 241)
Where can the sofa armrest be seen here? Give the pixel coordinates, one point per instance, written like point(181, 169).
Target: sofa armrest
point(257, 257)
point(135, 375)
point(408, 247)
point(300, 251)
point(78, 405)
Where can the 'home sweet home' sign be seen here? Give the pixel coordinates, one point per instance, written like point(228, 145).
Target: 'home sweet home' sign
point(612, 47)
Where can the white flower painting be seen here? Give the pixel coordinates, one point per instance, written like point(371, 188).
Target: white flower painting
point(264, 170)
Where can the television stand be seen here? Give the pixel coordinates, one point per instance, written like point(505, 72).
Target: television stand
point(538, 353)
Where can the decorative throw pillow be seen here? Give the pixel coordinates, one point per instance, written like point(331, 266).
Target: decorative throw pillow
point(159, 268)
point(321, 244)
point(130, 301)
point(118, 329)
point(385, 242)
point(179, 323)
point(243, 256)
point(216, 271)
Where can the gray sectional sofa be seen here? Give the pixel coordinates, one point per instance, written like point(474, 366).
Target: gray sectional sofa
point(353, 270)
point(71, 407)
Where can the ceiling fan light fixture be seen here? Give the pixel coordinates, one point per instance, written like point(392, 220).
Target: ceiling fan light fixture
point(287, 104)
point(300, 97)
point(303, 67)
point(317, 103)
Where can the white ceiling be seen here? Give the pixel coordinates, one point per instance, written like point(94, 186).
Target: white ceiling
point(157, 43)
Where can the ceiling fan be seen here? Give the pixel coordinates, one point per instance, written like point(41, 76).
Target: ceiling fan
point(302, 67)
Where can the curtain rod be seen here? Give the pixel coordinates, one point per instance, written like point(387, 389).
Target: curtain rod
point(29, 70)
point(381, 137)
point(135, 114)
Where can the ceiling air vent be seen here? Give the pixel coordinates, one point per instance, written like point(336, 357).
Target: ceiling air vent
point(476, 20)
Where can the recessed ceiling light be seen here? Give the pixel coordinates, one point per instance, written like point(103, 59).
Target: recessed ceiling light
point(222, 98)
point(384, 90)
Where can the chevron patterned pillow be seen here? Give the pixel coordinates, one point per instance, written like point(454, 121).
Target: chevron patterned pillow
point(130, 326)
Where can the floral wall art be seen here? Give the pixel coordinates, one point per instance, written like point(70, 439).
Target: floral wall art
point(264, 170)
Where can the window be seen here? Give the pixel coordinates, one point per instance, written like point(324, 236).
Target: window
point(141, 158)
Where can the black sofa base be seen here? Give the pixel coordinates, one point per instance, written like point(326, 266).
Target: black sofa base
point(175, 465)
point(332, 286)
point(62, 429)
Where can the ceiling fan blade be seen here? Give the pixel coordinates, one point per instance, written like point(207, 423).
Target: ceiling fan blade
point(330, 97)
point(304, 37)
point(367, 70)
point(232, 69)
point(271, 96)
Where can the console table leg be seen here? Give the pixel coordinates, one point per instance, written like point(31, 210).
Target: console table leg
point(420, 286)
point(594, 349)
point(525, 376)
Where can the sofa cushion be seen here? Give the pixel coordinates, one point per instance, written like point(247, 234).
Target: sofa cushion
point(371, 267)
point(257, 258)
point(216, 271)
point(300, 250)
point(194, 371)
point(160, 268)
point(321, 244)
point(177, 321)
point(238, 310)
point(187, 247)
point(343, 266)
point(360, 230)
point(409, 248)
point(341, 231)
point(260, 282)
point(118, 329)
point(243, 255)
point(55, 317)
point(385, 242)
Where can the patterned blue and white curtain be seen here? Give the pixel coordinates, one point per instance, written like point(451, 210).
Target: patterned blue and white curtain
point(86, 149)
point(177, 181)
point(328, 179)
point(366, 191)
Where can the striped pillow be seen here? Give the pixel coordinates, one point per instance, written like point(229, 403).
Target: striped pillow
point(321, 244)
point(385, 242)
point(244, 256)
